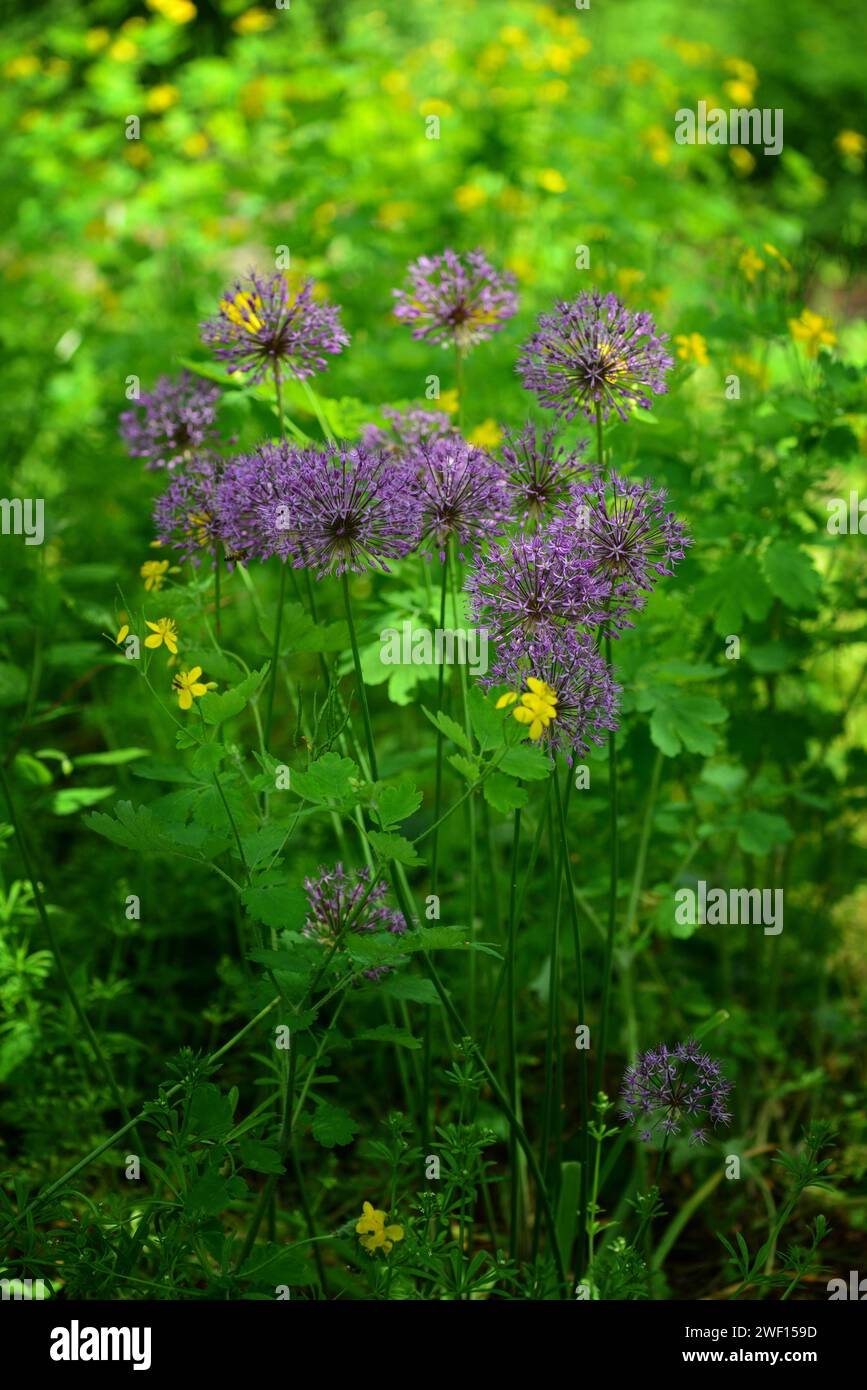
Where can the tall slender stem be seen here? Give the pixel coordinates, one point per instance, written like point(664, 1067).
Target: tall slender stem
point(612, 896)
point(511, 1033)
point(281, 596)
point(359, 679)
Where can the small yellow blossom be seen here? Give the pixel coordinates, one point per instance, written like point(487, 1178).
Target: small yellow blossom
point(153, 572)
point(692, 347)
point(750, 264)
point(374, 1233)
point(743, 161)
point(122, 635)
point(552, 181)
point(813, 331)
point(253, 22)
point(851, 142)
point(470, 196)
point(160, 98)
point(537, 707)
point(196, 144)
point(123, 51)
point(95, 39)
point(24, 65)
point(740, 92)
point(449, 401)
point(175, 11)
point(163, 630)
point(487, 435)
point(742, 69)
point(187, 686)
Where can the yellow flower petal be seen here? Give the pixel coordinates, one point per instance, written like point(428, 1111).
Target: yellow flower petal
point(155, 639)
point(508, 699)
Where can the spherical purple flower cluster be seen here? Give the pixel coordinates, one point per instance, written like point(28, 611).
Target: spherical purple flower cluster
point(342, 902)
point(542, 475)
point(262, 328)
point(462, 493)
point(530, 591)
point(251, 492)
point(456, 300)
point(629, 536)
point(173, 422)
point(586, 694)
point(186, 516)
point(595, 356)
point(669, 1086)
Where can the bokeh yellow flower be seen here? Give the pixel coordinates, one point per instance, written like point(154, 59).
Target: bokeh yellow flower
point(692, 347)
point(813, 331)
point(851, 142)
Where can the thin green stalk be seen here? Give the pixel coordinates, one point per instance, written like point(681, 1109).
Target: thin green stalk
point(614, 868)
point(359, 680)
point(281, 597)
point(511, 1034)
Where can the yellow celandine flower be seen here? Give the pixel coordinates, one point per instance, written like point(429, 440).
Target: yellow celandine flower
point(851, 142)
point(122, 635)
point(692, 345)
point(487, 435)
point(188, 687)
point(153, 572)
point(242, 310)
point(537, 707)
point(750, 263)
point(374, 1233)
point(163, 630)
point(252, 22)
point(813, 331)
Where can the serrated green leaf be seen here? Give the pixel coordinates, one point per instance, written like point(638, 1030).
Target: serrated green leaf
point(332, 1126)
point(393, 847)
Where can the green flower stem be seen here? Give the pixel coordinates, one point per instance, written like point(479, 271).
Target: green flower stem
point(65, 978)
point(612, 896)
point(582, 1052)
point(359, 680)
point(438, 788)
point(511, 1035)
point(281, 597)
point(218, 621)
point(459, 386)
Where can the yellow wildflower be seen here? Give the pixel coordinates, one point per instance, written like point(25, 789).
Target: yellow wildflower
point(692, 346)
point(160, 98)
point(487, 435)
point(163, 630)
point(252, 21)
point(188, 687)
point(851, 142)
point(374, 1233)
point(537, 707)
point(740, 92)
point(750, 264)
point(743, 161)
point(552, 181)
point(122, 635)
point(153, 572)
point(813, 331)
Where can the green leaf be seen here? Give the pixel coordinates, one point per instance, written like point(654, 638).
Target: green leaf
point(13, 684)
point(393, 847)
point(217, 708)
point(138, 828)
point(331, 1125)
point(284, 908)
point(207, 759)
point(211, 1194)
point(210, 1113)
point(450, 728)
point(415, 989)
point(525, 762)
point(487, 721)
point(791, 574)
point(271, 1264)
point(395, 804)
point(111, 758)
point(503, 794)
point(733, 592)
point(390, 1033)
point(469, 768)
point(72, 799)
point(760, 831)
point(682, 720)
point(329, 778)
point(261, 1157)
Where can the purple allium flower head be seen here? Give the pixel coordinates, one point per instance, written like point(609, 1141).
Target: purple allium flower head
point(261, 327)
point(340, 902)
point(541, 474)
point(593, 354)
point(407, 431)
point(628, 533)
point(173, 422)
point(670, 1086)
point(463, 494)
point(251, 490)
point(344, 509)
point(456, 300)
point(186, 516)
point(587, 697)
point(529, 590)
